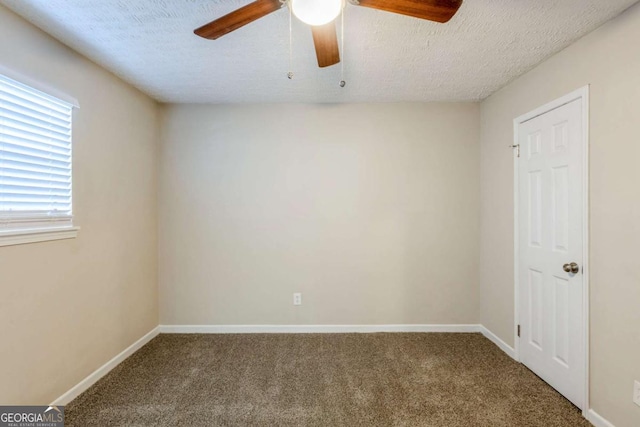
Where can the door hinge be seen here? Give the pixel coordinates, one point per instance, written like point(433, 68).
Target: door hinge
point(518, 331)
point(517, 147)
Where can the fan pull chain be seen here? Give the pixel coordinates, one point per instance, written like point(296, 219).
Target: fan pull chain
point(290, 73)
point(342, 82)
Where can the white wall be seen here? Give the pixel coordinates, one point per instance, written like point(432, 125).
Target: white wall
point(69, 306)
point(371, 211)
point(608, 60)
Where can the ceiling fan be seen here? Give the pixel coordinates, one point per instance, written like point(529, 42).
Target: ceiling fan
point(320, 15)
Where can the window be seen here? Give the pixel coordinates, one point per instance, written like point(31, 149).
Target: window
point(35, 164)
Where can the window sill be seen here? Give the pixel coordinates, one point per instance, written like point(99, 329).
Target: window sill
point(34, 235)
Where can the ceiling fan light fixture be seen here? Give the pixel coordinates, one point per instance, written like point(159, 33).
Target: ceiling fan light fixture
point(316, 12)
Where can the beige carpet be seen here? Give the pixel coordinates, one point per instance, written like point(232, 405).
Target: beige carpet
point(321, 380)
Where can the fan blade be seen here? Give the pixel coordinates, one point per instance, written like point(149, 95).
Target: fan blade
point(326, 41)
point(238, 18)
point(432, 10)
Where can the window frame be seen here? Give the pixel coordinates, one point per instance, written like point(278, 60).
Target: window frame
point(32, 229)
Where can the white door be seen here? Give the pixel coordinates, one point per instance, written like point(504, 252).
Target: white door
point(550, 238)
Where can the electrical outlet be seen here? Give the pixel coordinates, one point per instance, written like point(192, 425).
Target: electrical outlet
point(297, 298)
point(636, 392)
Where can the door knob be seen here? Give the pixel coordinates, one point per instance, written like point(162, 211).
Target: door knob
point(571, 268)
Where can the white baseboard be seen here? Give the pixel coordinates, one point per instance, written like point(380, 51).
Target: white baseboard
point(310, 329)
point(497, 341)
point(83, 385)
point(597, 420)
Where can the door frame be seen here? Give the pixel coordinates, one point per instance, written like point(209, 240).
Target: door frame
point(583, 95)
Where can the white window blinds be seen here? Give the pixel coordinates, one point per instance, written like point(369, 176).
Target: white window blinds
point(35, 158)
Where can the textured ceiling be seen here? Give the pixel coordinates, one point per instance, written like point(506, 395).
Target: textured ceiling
point(387, 57)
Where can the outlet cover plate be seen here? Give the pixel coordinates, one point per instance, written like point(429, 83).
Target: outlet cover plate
point(297, 298)
point(636, 392)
